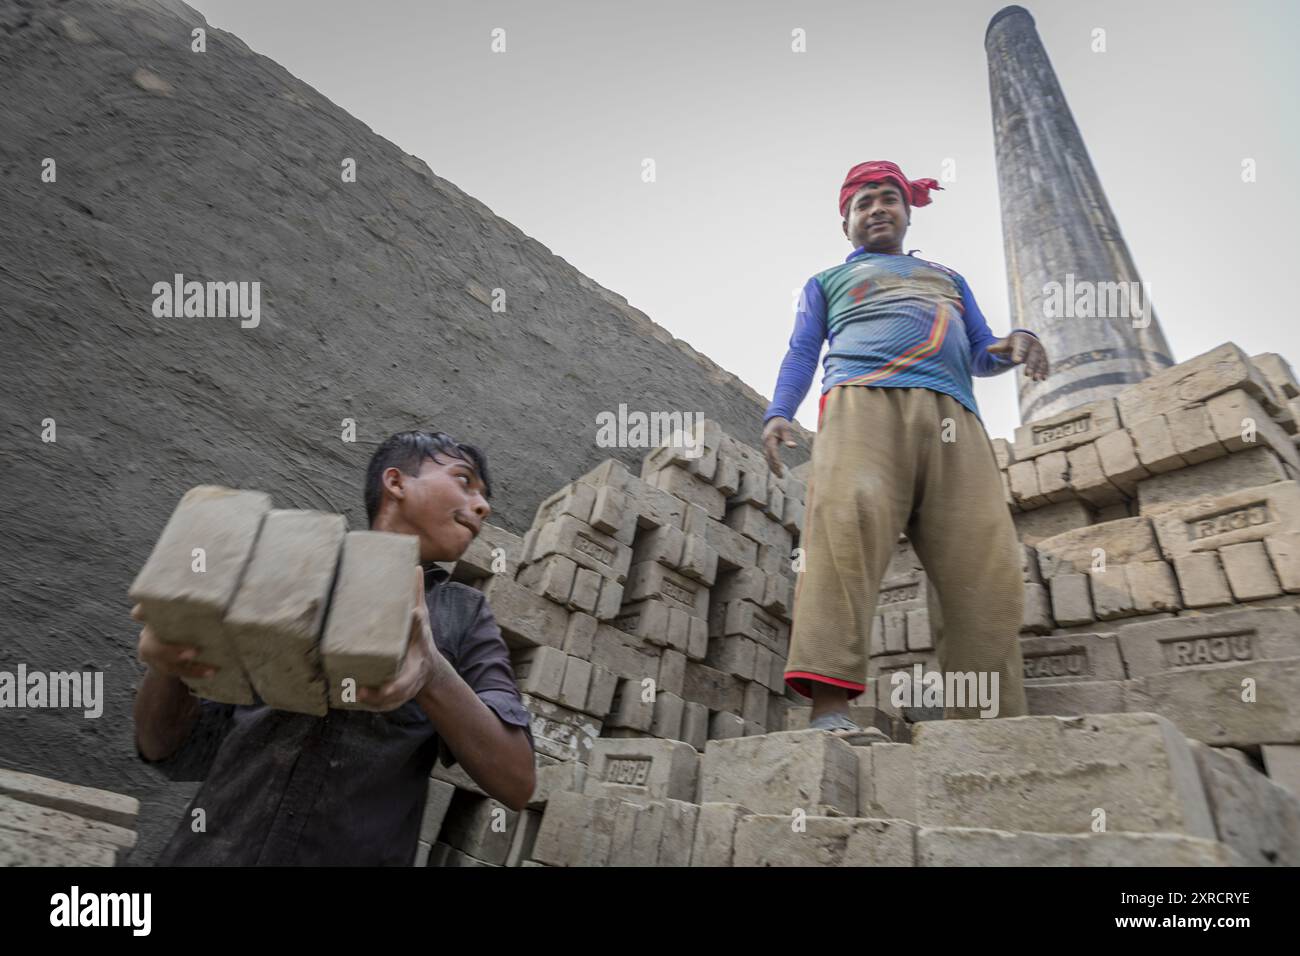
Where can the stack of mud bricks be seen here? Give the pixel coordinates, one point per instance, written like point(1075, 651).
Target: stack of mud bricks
point(290, 606)
point(650, 607)
point(1161, 536)
point(46, 822)
point(1110, 790)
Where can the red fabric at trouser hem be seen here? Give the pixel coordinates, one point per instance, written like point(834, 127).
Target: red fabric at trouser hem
point(799, 681)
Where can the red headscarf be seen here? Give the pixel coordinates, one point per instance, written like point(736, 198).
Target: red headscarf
point(916, 192)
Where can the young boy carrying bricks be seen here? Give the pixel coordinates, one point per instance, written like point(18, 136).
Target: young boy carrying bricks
point(906, 453)
point(349, 788)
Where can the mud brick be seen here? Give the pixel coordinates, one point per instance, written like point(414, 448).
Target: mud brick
point(436, 804)
point(1034, 526)
point(732, 654)
point(585, 545)
point(1003, 453)
point(690, 488)
point(713, 688)
point(895, 629)
point(1206, 703)
point(579, 634)
point(745, 619)
point(525, 838)
point(552, 577)
point(1022, 477)
point(1012, 504)
point(919, 637)
point(672, 672)
point(60, 827)
point(561, 732)
point(576, 830)
point(493, 551)
point(677, 837)
point(610, 602)
point(526, 619)
point(667, 717)
point(1119, 461)
point(91, 803)
point(557, 776)
point(715, 833)
point(577, 683)
point(1121, 509)
point(652, 620)
point(1038, 610)
point(1249, 574)
point(539, 672)
point(782, 771)
point(776, 561)
point(1075, 698)
point(753, 728)
point(1212, 373)
point(734, 550)
point(655, 508)
point(1066, 658)
point(184, 606)
point(1064, 431)
point(699, 560)
point(1029, 564)
point(456, 776)
point(1193, 434)
point(614, 513)
point(1209, 640)
point(1120, 542)
point(1201, 580)
point(1111, 597)
point(650, 579)
point(775, 502)
point(1284, 552)
point(975, 847)
point(1213, 523)
point(1047, 774)
point(778, 712)
point(1282, 761)
point(877, 646)
point(629, 709)
point(1252, 814)
point(1054, 476)
point(695, 724)
point(276, 618)
point(600, 694)
point(748, 584)
point(725, 725)
point(1071, 600)
point(664, 545)
point(1152, 585)
point(1277, 372)
point(18, 848)
point(1153, 443)
point(369, 624)
point(624, 654)
point(793, 517)
point(727, 477)
point(1087, 479)
point(886, 781)
point(575, 499)
point(755, 525)
point(753, 486)
point(763, 667)
point(481, 827)
point(586, 589)
point(1245, 469)
point(755, 704)
point(769, 840)
point(642, 771)
point(697, 638)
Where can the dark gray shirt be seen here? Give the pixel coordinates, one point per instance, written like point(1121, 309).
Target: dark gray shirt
point(283, 788)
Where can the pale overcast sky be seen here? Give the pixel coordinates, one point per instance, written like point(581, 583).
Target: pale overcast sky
point(751, 142)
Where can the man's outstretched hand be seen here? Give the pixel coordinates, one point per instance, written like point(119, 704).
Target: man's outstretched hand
point(776, 433)
point(1023, 349)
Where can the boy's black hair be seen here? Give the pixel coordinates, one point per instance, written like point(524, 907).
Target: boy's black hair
point(407, 450)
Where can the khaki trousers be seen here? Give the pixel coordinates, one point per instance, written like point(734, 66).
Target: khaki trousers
point(889, 460)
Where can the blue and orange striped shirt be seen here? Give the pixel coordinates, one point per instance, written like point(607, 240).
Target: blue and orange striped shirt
point(892, 321)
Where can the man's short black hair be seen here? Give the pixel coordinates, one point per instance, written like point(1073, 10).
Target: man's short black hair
point(407, 451)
